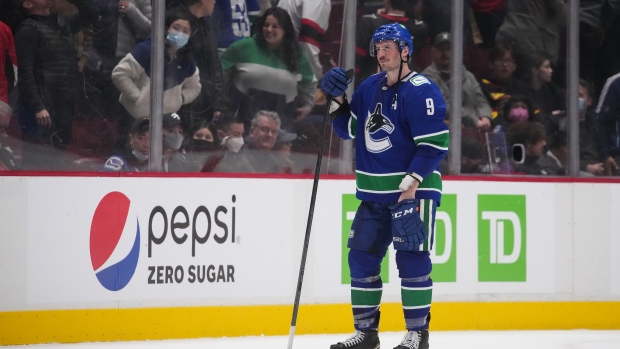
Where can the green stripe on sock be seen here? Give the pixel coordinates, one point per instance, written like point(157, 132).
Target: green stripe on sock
point(365, 297)
point(413, 298)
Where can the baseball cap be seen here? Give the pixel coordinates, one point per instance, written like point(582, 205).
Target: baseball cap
point(284, 136)
point(441, 38)
point(140, 125)
point(171, 120)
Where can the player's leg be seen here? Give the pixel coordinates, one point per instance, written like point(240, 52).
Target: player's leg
point(414, 268)
point(368, 246)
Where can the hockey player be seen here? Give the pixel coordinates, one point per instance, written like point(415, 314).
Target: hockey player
point(397, 120)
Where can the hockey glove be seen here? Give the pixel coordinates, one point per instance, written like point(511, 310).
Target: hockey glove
point(408, 229)
point(335, 82)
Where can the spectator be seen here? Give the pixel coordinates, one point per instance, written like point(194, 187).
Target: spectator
point(474, 104)
point(471, 155)
point(261, 141)
point(83, 39)
point(233, 19)
point(199, 145)
point(7, 160)
point(489, 15)
point(608, 126)
point(270, 72)
point(532, 136)
point(135, 156)
point(595, 27)
point(394, 11)
point(516, 110)
point(283, 149)
point(501, 84)
point(438, 15)
point(181, 78)
point(48, 75)
point(121, 25)
point(230, 155)
point(532, 27)
point(589, 163)
point(553, 161)
point(203, 45)
point(173, 135)
point(310, 20)
point(549, 98)
point(7, 50)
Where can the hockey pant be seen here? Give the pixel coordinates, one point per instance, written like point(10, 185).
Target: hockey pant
point(370, 236)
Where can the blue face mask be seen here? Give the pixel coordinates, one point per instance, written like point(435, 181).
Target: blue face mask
point(177, 39)
point(582, 105)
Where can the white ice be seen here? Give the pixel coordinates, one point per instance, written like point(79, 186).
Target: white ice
point(573, 339)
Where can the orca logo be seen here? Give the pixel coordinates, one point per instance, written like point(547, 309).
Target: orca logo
point(376, 122)
point(105, 232)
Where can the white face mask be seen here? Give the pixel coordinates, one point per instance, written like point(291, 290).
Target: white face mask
point(139, 155)
point(233, 144)
point(174, 140)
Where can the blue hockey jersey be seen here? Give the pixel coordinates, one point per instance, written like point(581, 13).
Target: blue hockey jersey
point(397, 129)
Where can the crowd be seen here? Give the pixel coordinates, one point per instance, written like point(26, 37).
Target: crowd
point(241, 76)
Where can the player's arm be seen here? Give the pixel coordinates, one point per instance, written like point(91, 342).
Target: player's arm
point(428, 129)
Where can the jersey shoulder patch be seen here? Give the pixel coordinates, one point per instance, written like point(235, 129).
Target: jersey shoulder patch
point(419, 80)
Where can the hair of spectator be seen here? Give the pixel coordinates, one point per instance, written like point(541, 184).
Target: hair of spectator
point(520, 98)
point(557, 140)
point(471, 148)
point(526, 133)
point(5, 108)
point(173, 15)
point(267, 114)
point(499, 50)
point(587, 85)
point(226, 118)
point(203, 124)
point(538, 59)
point(289, 50)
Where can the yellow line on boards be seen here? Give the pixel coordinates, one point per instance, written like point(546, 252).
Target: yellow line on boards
point(103, 325)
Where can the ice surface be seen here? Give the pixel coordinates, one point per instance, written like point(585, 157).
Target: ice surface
point(573, 339)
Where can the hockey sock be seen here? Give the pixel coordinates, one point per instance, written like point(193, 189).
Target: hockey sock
point(365, 299)
point(416, 294)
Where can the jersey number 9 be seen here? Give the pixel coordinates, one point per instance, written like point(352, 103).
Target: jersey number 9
point(430, 106)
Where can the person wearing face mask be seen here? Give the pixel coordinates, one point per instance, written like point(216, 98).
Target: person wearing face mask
point(230, 156)
point(135, 156)
point(181, 76)
point(199, 146)
point(174, 158)
point(516, 109)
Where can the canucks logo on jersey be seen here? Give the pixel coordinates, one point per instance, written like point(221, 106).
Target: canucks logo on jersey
point(375, 123)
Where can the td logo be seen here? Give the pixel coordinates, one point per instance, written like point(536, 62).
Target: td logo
point(502, 238)
point(106, 230)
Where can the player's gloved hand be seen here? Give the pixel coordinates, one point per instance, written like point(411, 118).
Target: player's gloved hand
point(408, 228)
point(335, 82)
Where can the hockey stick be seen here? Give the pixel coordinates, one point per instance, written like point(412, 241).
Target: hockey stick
point(315, 185)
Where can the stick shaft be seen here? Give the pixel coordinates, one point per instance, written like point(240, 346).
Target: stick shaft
point(304, 253)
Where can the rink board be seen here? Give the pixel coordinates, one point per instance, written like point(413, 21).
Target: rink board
point(133, 258)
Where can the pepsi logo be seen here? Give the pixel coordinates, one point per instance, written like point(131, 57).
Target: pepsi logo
point(106, 230)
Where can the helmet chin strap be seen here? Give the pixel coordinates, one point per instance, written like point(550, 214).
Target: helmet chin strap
point(400, 70)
